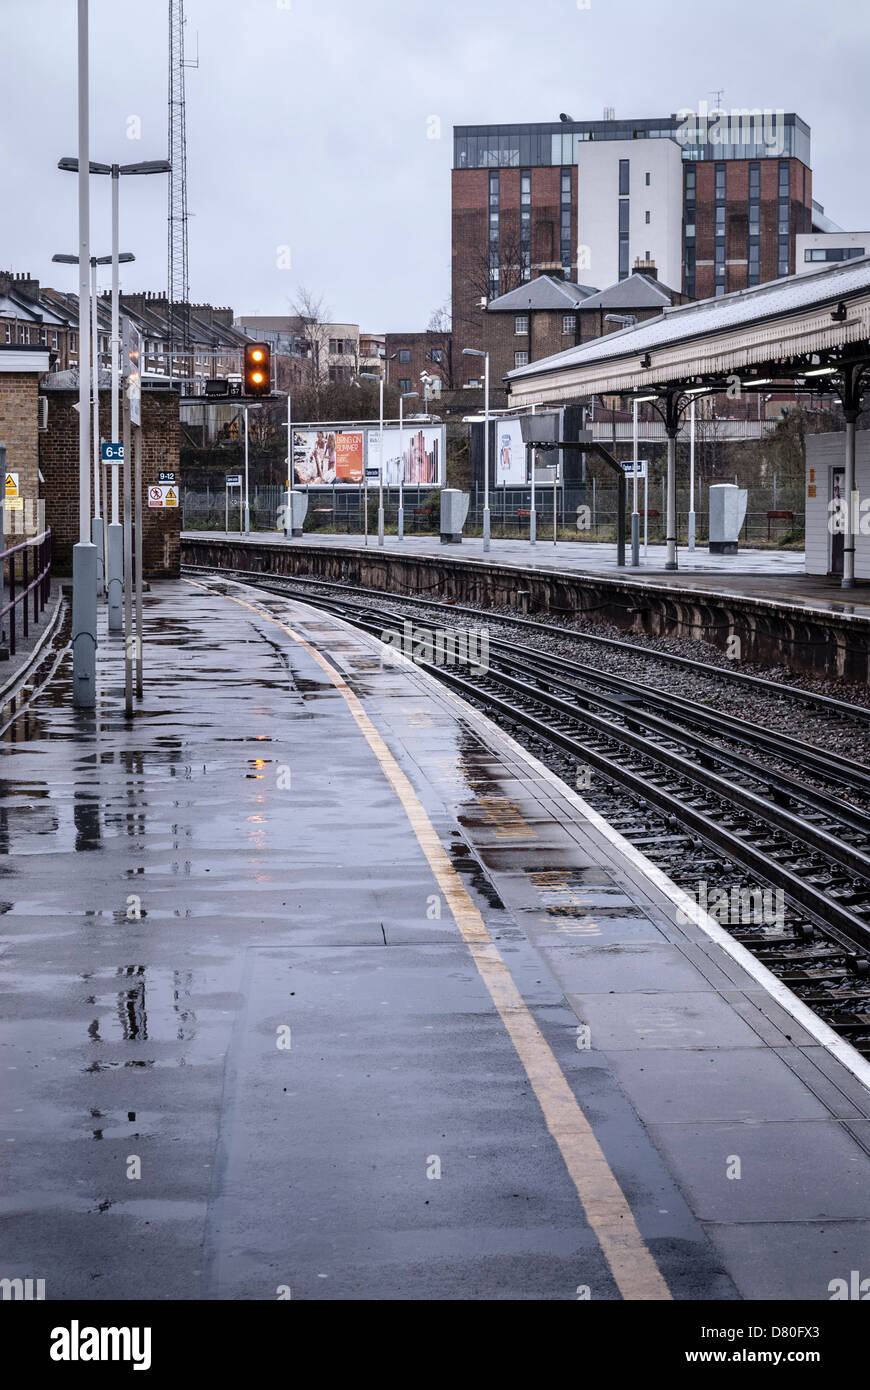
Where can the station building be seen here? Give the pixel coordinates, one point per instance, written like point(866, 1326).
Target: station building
point(716, 204)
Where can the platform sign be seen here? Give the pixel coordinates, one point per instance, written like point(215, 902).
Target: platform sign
point(634, 468)
point(11, 484)
point(167, 475)
point(234, 480)
point(162, 495)
point(112, 453)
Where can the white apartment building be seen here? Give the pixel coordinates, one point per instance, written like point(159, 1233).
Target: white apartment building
point(630, 207)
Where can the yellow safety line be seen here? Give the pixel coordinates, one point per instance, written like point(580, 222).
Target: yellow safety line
point(608, 1213)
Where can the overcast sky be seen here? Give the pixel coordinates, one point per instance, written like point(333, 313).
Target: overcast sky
point(309, 123)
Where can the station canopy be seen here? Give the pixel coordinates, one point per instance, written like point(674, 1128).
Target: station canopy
point(800, 330)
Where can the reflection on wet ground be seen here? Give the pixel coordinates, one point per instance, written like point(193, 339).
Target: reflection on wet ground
point(142, 860)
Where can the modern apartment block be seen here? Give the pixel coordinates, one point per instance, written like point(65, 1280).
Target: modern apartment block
point(714, 200)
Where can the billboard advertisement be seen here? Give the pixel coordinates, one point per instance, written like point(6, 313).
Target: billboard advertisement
point(422, 455)
point(510, 454)
point(326, 456)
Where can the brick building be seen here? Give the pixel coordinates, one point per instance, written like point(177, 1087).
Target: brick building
point(28, 319)
point(59, 464)
point(547, 316)
point(411, 355)
point(717, 208)
point(20, 371)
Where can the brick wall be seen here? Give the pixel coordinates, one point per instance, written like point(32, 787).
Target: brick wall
point(18, 428)
point(421, 346)
point(59, 461)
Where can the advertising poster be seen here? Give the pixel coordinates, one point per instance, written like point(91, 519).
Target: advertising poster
point(421, 456)
point(327, 456)
point(510, 454)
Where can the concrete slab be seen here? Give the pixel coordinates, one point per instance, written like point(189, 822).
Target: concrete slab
point(234, 861)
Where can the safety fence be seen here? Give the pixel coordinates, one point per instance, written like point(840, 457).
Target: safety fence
point(25, 576)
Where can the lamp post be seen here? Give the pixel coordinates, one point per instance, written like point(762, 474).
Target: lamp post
point(96, 520)
point(692, 474)
point(375, 376)
point(477, 352)
point(115, 533)
point(84, 617)
point(405, 396)
point(635, 517)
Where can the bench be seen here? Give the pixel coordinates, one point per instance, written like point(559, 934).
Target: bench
point(778, 516)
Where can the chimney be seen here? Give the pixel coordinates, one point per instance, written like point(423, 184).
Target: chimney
point(647, 268)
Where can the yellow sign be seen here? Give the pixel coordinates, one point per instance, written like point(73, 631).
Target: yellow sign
point(11, 484)
point(170, 497)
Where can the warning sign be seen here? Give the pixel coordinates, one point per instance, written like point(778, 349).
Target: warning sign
point(163, 495)
point(11, 484)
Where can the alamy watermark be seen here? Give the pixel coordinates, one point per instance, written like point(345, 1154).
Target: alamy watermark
point(739, 126)
point(736, 906)
point(452, 646)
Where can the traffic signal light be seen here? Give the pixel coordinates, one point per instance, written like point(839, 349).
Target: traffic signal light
point(258, 369)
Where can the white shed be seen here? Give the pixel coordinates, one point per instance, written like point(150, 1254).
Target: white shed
point(826, 471)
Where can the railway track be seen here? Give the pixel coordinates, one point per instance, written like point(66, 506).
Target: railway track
point(708, 798)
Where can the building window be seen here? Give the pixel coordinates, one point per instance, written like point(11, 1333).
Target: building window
point(436, 355)
point(720, 182)
point(9, 332)
point(833, 253)
point(646, 218)
point(521, 323)
point(526, 224)
point(54, 340)
point(521, 359)
point(565, 225)
point(623, 178)
point(404, 384)
point(493, 234)
point(569, 323)
point(73, 342)
point(647, 180)
point(404, 355)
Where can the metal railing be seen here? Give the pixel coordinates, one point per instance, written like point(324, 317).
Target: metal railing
point(35, 579)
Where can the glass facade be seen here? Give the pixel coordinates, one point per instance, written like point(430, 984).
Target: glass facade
point(784, 210)
point(833, 253)
point(753, 253)
point(526, 224)
point(741, 135)
point(689, 243)
point(494, 201)
point(565, 224)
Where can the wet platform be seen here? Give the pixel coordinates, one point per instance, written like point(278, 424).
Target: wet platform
point(318, 986)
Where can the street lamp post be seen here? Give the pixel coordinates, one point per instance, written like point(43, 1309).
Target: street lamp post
point(635, 515)
point(375, 376)
point(406, 396)
point(97, 520)
point(115, 533)
point(247, 510)
point(692, 474)
point(476, 352)
point(84, 617)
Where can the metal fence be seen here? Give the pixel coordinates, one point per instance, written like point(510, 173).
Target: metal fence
point(587, 512)
point(25, 575)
